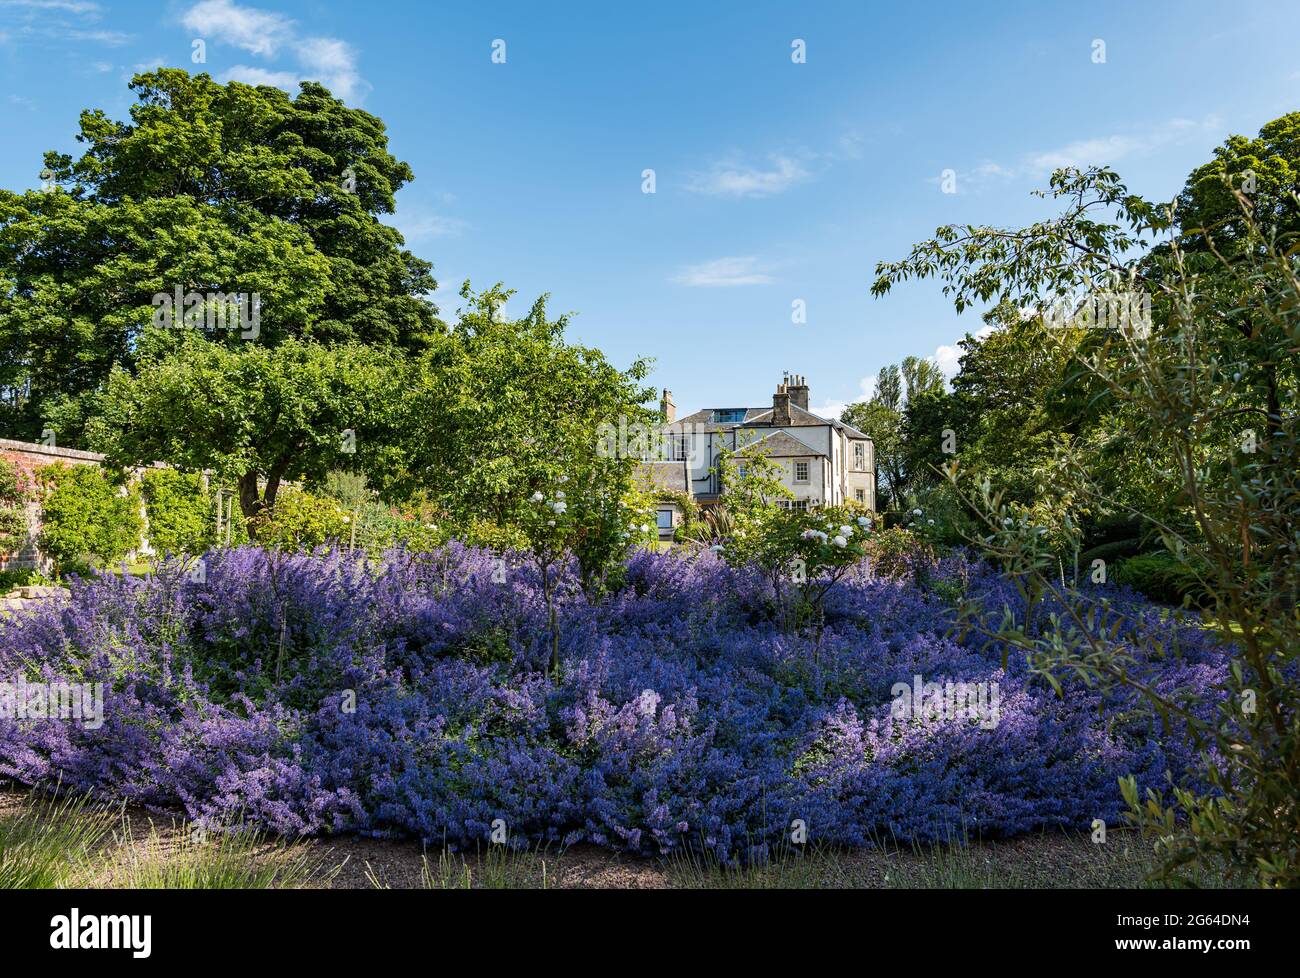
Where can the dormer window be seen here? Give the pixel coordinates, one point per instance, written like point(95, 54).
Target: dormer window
point(728, 415)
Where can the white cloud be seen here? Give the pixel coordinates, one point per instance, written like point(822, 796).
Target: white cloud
point(252, 75)
point(268, 34)
point(729, 178)
point(148, 64)
point(258, 31)
point(948, 358)
point(62, 6)
point(723, 272)
point(416, 226)
point(65, 20)
point(112, 39)
point(1107, 150)
point(334, 62)
point(833, 409)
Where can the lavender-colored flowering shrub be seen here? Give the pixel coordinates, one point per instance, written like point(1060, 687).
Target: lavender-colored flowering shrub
point(317, 693)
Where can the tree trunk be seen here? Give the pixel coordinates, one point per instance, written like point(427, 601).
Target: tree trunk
point(254, 499)
point(250, 502)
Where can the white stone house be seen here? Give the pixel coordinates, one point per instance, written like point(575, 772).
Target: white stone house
point(823, 461)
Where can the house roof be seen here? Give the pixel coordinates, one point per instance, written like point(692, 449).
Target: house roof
point(757, 417)
point(664, 475)
point(780, 444)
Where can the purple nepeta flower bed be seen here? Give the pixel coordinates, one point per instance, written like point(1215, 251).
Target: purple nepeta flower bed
point(316, 694)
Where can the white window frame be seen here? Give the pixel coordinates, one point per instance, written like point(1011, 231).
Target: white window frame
point(807, 471)
point(859, 456)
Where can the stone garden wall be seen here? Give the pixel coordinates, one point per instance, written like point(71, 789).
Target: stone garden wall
point(29, 457)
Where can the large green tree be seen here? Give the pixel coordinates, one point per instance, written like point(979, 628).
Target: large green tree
point(208, 188)
point(258, 416)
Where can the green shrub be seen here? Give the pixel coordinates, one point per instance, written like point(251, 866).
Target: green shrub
point(180, 510)
point(86, 519)
point(1111, 552)
point(13, 528)
point(302, 521)
point(898, 553)
point(1161, 577)
point(14, 487)
point(20, 577)
point(376, 526)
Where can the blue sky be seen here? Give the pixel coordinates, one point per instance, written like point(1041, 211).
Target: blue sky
point(775, 181)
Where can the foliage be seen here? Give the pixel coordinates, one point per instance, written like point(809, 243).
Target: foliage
point(15, 487)
point(681, 719)
point(302, 521)
point(259, 416)
point(590, 521)
point(180, 511)
point(375, 526)
point(898, 554)
point(85, 519)
point(811, 549)
point(1210, 398)
point(1161, 577)
point(14, 493)
point(211, 189)
point(753, 489)
point(500, 408)
point(44, 845)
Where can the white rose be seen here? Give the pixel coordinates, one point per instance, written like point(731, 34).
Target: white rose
point(537, 497)
point(840, 542)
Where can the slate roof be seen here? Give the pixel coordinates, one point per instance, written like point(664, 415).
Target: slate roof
point(780, 444)
point(664, 475)
point(755, 417)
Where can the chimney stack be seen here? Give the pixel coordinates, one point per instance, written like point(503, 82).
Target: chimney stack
point(781, 405)
point(667, 408)
point(798, 387)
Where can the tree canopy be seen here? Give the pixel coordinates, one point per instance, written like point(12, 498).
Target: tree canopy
point(208, 189)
